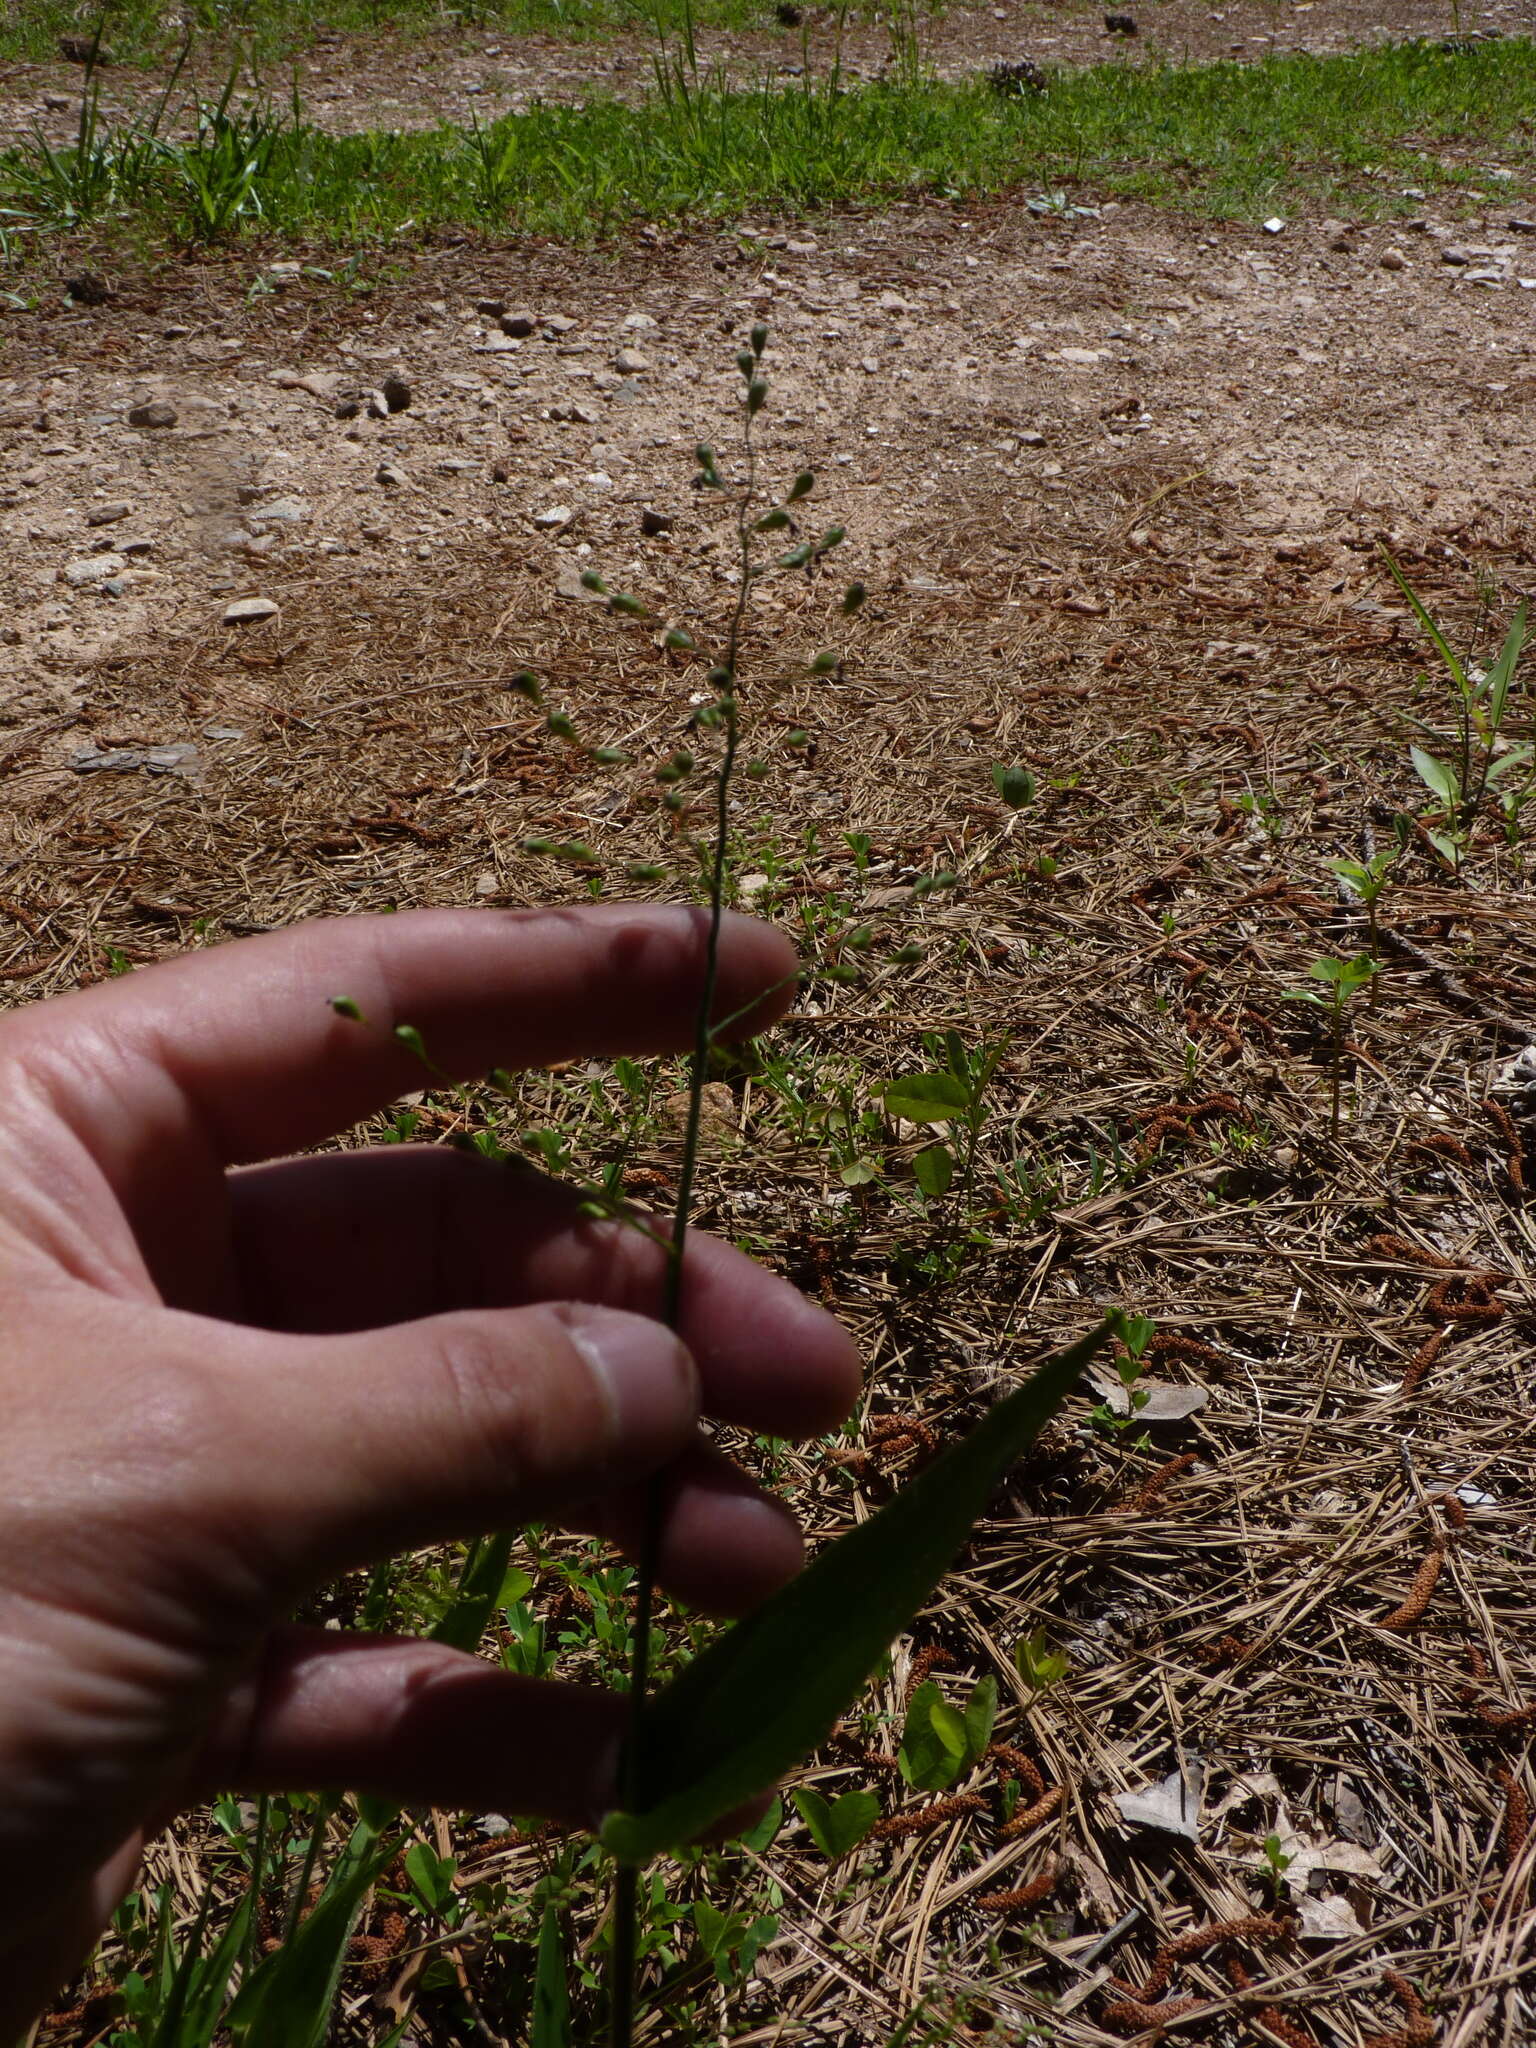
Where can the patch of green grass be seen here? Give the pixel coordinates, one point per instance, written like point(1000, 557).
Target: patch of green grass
point(1347, 131)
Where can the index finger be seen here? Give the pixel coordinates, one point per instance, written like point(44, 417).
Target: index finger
point(240, 1046)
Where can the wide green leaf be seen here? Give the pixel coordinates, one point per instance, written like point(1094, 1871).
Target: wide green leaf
point(939, 1742)
point(768, 1690)
point(1438, 776)
point(927, 1098)
point(934, 1169)
point(838, 1828)
point(980, 1718)
point(1016, 786)
point(932, 1749)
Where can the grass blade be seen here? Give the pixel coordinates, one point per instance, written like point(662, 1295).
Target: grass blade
point(1432, 632)
point(767, 1691)
point(1502, 673)
point(478, 1590)
point(288, 2001)
point(551, 2027)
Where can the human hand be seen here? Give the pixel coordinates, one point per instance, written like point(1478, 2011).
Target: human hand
point(224, 1384)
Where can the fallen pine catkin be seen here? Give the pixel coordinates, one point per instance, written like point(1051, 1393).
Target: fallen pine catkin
point(1259, 1930)
point(1153, 1489)
point(1516, 1824)
point(1466, 1298)
point(1031, 1816)
point(1169, 1344)
point(1024, 1768)
point(925, 1663)
point(1279, 2024)
point(1225, 1650)
point(926, 1818)
point(1130, 2016)
point(1514, 1165)
point(1417, 2031)
point(1026, 1896)
point(1424, 1358)
point(1411, 1612)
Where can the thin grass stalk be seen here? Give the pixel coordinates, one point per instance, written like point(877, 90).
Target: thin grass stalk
point(257, 1879)
point(307, 1875)
point(626, 1889)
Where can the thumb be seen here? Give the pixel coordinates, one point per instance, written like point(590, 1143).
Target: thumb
point(452, 1425)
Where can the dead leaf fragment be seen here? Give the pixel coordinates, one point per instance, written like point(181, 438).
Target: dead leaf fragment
point(1165, 1401)
point(1172, 1805)
point(1329, 1918)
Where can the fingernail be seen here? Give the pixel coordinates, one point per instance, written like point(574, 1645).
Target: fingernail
point(648, 1378)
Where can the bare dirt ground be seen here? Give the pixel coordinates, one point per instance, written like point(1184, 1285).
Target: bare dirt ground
point(396, 81)
point(943, 370)
point(1115, 482)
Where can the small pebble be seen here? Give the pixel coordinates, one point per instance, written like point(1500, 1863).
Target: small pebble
point(104, 515)
point(249, 611)
point(90, 569)
point(157, 413)
point(1393, 259)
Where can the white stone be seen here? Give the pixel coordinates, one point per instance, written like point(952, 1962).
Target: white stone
point(91, 569)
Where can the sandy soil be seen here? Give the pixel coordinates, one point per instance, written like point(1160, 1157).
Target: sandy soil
point(1029, 422)
point(397, 82)
point(1317, 394)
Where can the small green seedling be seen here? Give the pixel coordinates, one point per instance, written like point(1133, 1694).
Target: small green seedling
point(1278, 1862)
point(1341, 981)
point(1104, 1416)
point(1016, 786)
point(953, 1096)
point(732, 1941)
point(1481, 761)
point(1037, 1664)
point(1368, 878)
point(836, 1827)
point(941, 1743)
